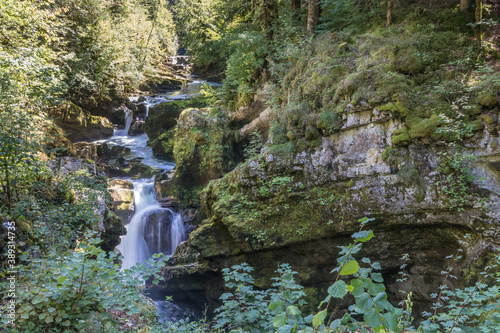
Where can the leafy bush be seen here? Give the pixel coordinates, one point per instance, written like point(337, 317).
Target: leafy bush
point(81, 291)
point(473, 309)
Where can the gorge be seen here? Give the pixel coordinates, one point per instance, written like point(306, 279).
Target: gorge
point(342, 175)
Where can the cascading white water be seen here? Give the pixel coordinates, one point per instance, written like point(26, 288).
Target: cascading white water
point(152, 229)
point(129, 117)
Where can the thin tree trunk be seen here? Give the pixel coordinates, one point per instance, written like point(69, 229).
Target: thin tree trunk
point(463, 5)
point(479, 18)
point(295, 5)
point(7, 181)
point(312, 16)
point(389, 13)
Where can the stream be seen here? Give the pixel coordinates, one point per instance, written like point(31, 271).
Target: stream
point(152, 229)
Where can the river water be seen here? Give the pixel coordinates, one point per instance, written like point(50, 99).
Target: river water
point(152, 229)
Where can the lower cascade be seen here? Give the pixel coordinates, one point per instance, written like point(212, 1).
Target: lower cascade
point(152, 229)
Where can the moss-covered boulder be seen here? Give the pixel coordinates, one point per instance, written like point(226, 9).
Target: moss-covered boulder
point(161, 121)
point(80, 125)
point(202, 152)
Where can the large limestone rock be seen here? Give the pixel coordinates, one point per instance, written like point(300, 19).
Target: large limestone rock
point(80, 125)
point(122, 193)
point(161, 121)
point(202, 153)
point(299, 207)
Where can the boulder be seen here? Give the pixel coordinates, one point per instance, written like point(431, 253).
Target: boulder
point(122, 193)
point(80, 125)
point(161, 121)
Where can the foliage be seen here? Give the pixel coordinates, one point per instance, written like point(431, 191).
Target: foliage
point(85, 290)
point(472, 309)
point(109, 46)
point(457, 180)
point(249, 310)
point(254, 146)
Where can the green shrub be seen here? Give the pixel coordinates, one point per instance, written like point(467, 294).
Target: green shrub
point(473, 309)
point(80, 291)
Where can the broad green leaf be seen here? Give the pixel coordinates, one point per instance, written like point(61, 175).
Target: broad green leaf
point(319, 318)
point(276, 305)
point(391, 321)
point(335, 324)
point(372, 319)
point(338, 289)
point(363, 236)
point(363, 302)
point(61, 279)
point(285, 329)
point(279, 320)
point(350, 268)
point(377, 277)
point(293, 310)
point(358, 287)
point(380, 296)
point(374, 288)
point(287, 277)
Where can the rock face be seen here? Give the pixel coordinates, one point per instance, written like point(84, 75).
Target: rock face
point(202, 153)
point(122, 193)
point(161, 121)
point(80, 125)
point(298, 207)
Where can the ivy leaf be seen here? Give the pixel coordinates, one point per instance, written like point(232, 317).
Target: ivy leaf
point(338, 289)
point(350, 268)
point(319, 318)
point(279, 320)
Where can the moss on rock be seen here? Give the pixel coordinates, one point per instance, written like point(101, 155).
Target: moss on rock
point(161, 121)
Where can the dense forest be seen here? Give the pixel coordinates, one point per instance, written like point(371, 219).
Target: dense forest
point(264, 165)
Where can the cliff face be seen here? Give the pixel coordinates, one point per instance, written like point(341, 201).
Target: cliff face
point(386, 125)
point(297, 208)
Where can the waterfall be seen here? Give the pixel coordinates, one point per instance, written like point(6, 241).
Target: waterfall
point(129, 117)
point(152, 229)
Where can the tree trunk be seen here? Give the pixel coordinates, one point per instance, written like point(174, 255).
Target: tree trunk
point(7, 185)
point(295, 5)
point(312, 16)
point(389, 13)
point(463, 5)
point(479, 18)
